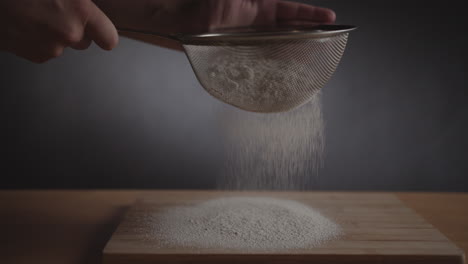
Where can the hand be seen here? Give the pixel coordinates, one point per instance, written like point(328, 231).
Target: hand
point(201, 16)
point(245, 13)
point(39, 30)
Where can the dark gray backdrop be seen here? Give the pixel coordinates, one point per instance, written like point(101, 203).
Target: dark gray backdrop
point(395, 111)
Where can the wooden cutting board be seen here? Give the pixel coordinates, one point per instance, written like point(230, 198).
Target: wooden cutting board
point(378, 228)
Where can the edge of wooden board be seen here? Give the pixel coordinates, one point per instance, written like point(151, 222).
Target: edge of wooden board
point(277, 259)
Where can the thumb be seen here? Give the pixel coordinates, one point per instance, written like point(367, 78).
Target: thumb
point(100, 29)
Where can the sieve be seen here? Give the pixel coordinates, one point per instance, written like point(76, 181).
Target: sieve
point(264, 69)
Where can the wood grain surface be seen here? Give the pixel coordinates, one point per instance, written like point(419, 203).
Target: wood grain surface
point(378, 228)
point(73, 226)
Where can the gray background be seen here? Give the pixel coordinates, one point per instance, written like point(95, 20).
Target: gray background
point(136, 117)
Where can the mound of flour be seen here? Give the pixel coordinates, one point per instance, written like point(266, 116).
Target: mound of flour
point(247, 223)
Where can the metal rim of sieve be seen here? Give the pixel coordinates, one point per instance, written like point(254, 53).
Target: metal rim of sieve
point(236, 35)
point(253, 34)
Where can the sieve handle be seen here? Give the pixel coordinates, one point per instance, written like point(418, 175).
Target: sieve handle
point(147, 33)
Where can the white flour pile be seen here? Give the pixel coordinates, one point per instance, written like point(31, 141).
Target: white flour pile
point(245, 223)
point(273, 151)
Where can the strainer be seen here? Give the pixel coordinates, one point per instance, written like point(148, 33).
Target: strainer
point(264, 69)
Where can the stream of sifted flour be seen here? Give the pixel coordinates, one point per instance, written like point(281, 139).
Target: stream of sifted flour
point(280, 151)
point(264, 151)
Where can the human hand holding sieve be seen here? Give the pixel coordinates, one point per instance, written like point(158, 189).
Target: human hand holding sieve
point(202, 16)
point(39, 30)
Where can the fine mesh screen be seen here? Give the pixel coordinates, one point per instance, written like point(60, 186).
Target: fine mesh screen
point(267, 76)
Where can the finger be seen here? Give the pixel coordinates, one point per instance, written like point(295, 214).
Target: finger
point(83, 44)
point(38, 53)
point(100, 29)
point(298, 23)
point(297, 11)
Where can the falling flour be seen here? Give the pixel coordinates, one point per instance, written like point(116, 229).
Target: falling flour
point(272, 151)
point(244, 223)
